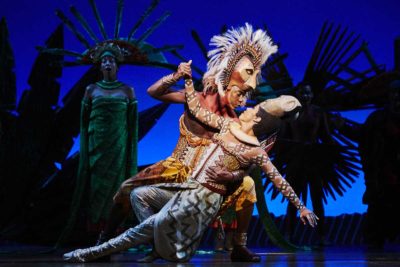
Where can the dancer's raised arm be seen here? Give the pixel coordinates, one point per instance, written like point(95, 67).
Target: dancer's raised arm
point(162, 89)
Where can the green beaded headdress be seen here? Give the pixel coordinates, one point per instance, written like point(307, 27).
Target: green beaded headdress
point(127, 50)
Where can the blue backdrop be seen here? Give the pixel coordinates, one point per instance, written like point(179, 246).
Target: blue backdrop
point(294, 25)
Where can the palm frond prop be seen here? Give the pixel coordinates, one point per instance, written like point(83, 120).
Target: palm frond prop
point(336, 78)
point(334, 72)
point(25, 154)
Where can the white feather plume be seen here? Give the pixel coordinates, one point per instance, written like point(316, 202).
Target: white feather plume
point(227, 44)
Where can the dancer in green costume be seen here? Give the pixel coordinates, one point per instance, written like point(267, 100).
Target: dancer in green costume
point(108, 140)
point(108, 136)
point(109, 109)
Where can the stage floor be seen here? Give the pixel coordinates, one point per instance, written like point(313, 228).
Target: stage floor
point(26, 256)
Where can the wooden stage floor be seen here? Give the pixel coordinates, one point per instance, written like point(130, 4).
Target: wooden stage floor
point(27, 256)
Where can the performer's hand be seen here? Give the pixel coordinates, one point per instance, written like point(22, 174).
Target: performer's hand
point(307, 216)
point(184, 70)
point(219, 175)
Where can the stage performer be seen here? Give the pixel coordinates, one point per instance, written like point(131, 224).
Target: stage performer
point(177, 229)
point(108, 138)
point(232, 73)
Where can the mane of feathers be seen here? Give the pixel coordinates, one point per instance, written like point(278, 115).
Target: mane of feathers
point(229, 43)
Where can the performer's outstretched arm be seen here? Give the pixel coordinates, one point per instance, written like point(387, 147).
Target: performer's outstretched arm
point(284, 187)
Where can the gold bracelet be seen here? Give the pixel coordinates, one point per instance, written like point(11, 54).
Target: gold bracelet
point(169, 80)
point(188, 82)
